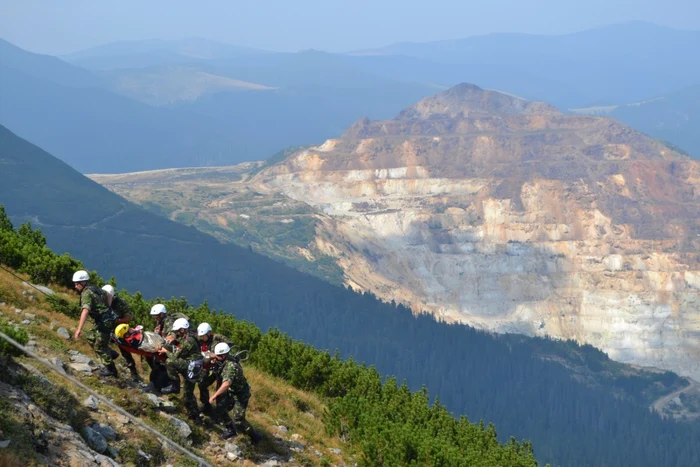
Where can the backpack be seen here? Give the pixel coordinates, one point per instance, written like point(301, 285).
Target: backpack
point(195, 371)
point(106, 319)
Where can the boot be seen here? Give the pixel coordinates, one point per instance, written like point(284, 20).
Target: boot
point(109, 370)
point(197, 419)
point(206, 408)
point(172, 388)
point(230, 431)
point(134, 374)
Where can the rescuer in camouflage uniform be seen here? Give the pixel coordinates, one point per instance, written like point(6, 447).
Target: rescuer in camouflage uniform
point(164, 324)
point(207, 342)
point(123, 313)
point(93, 303)
point(187, 349)
point(235, 393)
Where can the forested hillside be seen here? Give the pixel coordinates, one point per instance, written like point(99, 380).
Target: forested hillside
point(497, 379)
point(388, 423)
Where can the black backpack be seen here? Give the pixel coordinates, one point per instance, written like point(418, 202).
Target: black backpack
point(195, 371)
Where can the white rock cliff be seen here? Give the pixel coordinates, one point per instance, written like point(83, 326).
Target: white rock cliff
point(505, 214)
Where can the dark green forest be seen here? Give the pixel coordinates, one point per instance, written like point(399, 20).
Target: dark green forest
point(497, 379)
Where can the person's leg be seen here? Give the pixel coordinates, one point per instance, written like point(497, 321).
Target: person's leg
point(207, 380)
point(130, 364)
point(224, 404)
point(191, 402)
point(103, 352)
point(172, 368)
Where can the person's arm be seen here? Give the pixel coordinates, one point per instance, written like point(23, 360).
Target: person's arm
point(124, 319)
point(222, 389)
point(122, 309)
point(83, 317)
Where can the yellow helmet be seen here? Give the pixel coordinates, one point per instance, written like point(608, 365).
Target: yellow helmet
point(120, 331)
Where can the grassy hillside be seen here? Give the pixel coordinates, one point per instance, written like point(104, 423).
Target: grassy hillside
point(275, 403)
point(570, 420)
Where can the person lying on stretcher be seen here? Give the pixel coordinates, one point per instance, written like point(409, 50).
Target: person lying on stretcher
point(137, 338)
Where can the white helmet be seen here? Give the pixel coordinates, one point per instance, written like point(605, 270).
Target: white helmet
point(180, 323)
point(203, 329)
point(158, 308)
point(81, 276)
point(221, 348)
point(109, 289)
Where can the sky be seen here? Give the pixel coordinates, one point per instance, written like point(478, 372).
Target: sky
point(63, 26)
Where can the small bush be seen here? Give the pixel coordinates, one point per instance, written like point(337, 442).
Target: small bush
point(14, 332)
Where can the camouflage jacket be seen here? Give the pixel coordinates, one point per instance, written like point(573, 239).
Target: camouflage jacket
point(94, 300)
point(214, 339)
point(233, 373)
point(188, 349)
point(164, 327)
point(120, 307)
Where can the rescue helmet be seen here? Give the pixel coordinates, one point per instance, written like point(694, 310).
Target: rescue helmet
point(221, 348)
point(120, 331)
point(158, 308)
point(180, 323)
point(203, 329)
point(81, 276)
point(109, 289)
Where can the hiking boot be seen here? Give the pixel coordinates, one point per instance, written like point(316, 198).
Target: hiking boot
point(109, 370)
point(207, 408)
point(171, 388)
point(230, 432)
point(197, 420)
point(255, 437)
point(134, 375)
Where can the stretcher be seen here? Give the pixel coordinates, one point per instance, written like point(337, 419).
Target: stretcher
point(135, 350)
point(140, 342)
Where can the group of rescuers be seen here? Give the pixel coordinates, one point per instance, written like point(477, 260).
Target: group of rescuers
point(183, 346)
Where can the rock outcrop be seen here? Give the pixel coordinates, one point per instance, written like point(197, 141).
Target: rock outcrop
point(505, 214)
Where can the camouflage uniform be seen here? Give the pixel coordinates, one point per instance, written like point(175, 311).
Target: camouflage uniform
point(236, 397)
point(214, 373)
point(176, 365)
point(163, 326)
point(95, 301)
point(121, 308)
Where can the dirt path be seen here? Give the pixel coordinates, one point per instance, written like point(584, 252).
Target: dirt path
point(661, 402)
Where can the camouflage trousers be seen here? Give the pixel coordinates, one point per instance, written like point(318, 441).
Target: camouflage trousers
point(238, 402)
point(178, 367)
point(207, 380)
point(99, 341)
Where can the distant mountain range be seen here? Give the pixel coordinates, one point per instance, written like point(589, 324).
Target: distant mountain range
point(222, 104)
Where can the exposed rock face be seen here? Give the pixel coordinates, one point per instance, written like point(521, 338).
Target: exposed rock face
point(505, 214)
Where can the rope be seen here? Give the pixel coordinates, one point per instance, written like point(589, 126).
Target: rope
point(23, 281)
point(105, 401)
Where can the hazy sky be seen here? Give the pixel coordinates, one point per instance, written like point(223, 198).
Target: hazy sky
point(62, 26)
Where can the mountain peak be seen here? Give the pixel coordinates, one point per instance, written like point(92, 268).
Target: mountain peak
point(468, 99)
